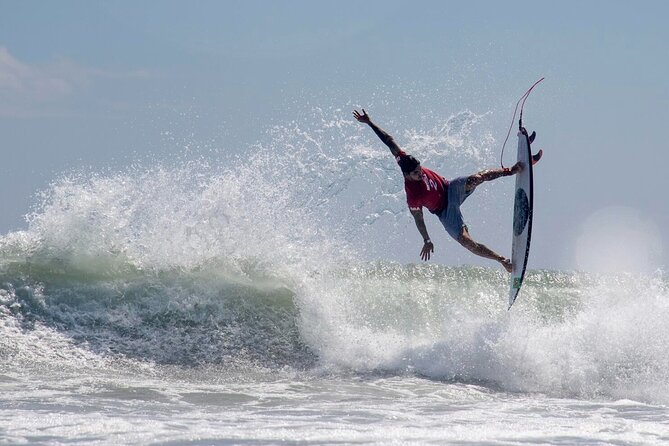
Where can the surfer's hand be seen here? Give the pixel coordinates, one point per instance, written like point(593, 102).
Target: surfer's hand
point(428, 247)
point(364, 117)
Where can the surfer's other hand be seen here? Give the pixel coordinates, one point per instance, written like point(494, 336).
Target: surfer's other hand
point(428, 248)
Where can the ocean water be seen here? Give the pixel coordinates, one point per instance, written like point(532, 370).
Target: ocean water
point(242, 302)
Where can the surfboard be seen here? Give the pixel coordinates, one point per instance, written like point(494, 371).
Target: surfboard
point(522, 215)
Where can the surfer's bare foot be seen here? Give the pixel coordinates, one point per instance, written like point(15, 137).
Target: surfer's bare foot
point(506, 263)
point(517, 168)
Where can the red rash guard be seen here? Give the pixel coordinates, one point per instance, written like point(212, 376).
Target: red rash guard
point(431, 192)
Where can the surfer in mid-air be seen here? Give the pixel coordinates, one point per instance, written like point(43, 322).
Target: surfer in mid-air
point(425, 188)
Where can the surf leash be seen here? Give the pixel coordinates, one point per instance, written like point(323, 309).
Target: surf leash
point(523, 98)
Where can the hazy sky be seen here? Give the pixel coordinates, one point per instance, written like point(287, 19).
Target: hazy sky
point(91, 83)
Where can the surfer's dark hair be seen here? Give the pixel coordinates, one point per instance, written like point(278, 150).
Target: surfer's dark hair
point(408, 163)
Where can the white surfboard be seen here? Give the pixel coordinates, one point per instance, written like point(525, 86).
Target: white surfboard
point(522, 216)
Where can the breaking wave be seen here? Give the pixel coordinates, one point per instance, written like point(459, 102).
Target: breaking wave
point(271, 261)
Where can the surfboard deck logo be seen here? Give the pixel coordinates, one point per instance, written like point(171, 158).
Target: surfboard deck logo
point(521, 212)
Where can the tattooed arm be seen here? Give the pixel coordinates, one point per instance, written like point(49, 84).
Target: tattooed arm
point(383, 136)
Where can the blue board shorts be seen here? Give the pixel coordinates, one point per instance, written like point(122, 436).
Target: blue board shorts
point(451, 217)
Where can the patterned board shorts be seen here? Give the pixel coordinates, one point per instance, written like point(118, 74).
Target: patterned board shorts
point(451, 217)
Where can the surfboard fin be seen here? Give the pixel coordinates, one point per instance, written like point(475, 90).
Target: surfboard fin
point(537, 156)
point(532, 136)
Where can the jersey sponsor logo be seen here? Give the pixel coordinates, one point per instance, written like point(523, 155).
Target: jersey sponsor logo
point(430, 184)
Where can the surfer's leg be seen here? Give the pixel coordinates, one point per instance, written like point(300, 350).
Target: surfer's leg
point(482, 250)
point(492, 174)
point(473, 181)
point(451, 218)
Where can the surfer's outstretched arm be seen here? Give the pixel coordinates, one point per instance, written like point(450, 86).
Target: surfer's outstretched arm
point(428, 247)
point(383, 136)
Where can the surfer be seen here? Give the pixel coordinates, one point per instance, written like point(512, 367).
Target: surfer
point(425, 188)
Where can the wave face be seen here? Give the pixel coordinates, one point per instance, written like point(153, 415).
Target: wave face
point(265, 261)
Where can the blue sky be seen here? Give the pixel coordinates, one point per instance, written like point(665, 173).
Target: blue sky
point(100, 84)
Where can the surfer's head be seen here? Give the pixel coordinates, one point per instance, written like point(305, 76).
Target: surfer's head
point(410, 168)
